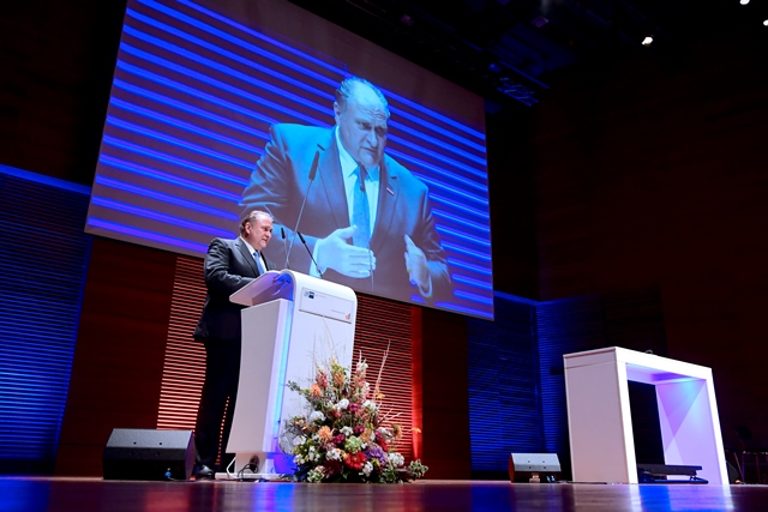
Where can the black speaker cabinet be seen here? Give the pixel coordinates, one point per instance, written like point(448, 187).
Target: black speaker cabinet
point(147, 454)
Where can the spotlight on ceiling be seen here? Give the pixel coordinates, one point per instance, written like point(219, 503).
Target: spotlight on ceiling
point(743, 2)
point(647, 41)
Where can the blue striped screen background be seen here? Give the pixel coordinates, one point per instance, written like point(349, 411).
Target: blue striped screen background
point(193, 96)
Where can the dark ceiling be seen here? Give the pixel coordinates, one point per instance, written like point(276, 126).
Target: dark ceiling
point(515, 49)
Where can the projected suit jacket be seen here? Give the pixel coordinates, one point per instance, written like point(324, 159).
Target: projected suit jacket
point(280, 181)
point(229, 265)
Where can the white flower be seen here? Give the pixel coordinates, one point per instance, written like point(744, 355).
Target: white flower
point(342, 405)
point(347, 431)
point(299, 440)
point(333, 454)
point(396, 459)
point(367, 468)
point(316, 474)
point(370, 406)
point(316, 417)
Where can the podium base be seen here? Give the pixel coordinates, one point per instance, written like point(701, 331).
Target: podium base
point(253, 477)
point(259, 467)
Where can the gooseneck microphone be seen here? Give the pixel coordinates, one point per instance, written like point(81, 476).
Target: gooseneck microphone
point(285, 244)
point(304, 242)
point(312, 174)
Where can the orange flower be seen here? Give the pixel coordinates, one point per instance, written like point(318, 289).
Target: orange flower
point(338, 376)
point(325, 434)
point(315, 391)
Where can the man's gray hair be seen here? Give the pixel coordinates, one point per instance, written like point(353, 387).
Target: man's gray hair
point(347, 89)
point(253, 215)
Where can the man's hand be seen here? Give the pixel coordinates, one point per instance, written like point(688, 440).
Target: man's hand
point(336, 252)
point(416, 265)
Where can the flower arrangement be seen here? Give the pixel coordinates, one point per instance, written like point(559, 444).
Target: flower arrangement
point(343, 438)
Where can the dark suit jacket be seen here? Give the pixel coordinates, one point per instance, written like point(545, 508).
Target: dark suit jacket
point(229, 266)
point(279, 183)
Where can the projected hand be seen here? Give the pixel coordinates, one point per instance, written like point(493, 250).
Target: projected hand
point(336, 252)
point(416, 265)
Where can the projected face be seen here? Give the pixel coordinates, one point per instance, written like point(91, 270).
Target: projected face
point(362, 123)
point(258, 231)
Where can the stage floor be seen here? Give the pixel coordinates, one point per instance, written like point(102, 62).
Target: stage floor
point(25, 494)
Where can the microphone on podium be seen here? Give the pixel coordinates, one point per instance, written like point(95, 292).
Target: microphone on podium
point(285, 244)
point(312, 174)
point(304, 242)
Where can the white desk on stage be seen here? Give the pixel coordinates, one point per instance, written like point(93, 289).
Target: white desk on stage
point(293, 323)
point(600, 423)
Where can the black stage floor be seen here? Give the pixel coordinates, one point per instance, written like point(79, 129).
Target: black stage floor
point(33, 494)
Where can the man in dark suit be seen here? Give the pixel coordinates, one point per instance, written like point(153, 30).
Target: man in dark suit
point(229, 265)
point(367, 220)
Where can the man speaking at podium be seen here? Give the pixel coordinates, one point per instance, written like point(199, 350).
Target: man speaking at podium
point(229, 265)
point(367, 220)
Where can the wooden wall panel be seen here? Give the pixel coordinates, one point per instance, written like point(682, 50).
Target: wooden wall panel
point(446, 446)
point(384, 326)
point(184, 365)
point(118, 361)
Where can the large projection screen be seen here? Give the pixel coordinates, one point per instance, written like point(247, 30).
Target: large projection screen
point(196, 89)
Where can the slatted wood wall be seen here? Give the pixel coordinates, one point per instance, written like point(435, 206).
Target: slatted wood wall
point(184, 362)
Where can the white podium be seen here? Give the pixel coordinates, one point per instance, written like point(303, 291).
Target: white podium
point(294, 322)
point(600, 424)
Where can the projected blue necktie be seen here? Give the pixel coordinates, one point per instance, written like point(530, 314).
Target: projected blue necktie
point(259, 262)
point(361, 216)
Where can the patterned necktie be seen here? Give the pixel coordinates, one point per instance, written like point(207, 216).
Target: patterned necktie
point(259, 262)
point(361, 215)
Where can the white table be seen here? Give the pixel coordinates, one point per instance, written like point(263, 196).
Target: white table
point(600, 422)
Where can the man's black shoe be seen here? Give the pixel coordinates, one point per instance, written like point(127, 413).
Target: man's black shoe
point(203, 472)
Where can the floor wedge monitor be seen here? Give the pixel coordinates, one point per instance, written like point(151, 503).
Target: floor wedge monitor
point(148, 454)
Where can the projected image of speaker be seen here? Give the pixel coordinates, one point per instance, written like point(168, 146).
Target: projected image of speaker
point(148, 454)
point(534, 467)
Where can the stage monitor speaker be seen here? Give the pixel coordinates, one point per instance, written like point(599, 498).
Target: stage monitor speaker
point(534, 467)
point(148, 454)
